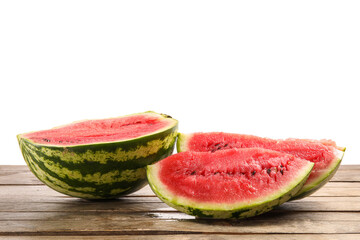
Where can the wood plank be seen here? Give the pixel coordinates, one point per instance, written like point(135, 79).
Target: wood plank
point(196, 236)
point(151, 207)
point(139, 216)
point(19, 192)
point(346, 176)
point(350, 166)
point(43, 198)
point(342, 185)
point(337, 192)
point(153, 204)
point(36, 192)
point(16, 175)
point(150, 226)
point(158, 226)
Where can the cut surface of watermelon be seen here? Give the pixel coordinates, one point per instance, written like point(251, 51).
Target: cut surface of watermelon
point(324, 153)
point(101, 130)
point(234, 183)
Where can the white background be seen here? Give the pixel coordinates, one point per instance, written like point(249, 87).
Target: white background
point(271, 68)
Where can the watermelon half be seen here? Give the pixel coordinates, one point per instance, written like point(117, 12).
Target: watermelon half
point(235, 183)
point(99, 159)
point(323, 153)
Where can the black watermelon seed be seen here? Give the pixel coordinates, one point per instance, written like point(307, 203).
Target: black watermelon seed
point(268, 171)
point(253, 173)
point(166, 116)
point(282, 172)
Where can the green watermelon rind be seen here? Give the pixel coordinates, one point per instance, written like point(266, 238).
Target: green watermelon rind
point(308, 189)
point(322, 179)
point(101, 170)
point(182, 140)
point(226, 211)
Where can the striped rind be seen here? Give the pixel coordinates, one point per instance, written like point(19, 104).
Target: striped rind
point(225, 211)
point(98, 171)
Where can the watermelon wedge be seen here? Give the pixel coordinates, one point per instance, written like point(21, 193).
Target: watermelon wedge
point(323, 153)
point(235, 183)
point(102, 158)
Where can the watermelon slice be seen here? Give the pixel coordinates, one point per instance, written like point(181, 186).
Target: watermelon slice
point(235, 183)
point(101, 158)
point(324, 153)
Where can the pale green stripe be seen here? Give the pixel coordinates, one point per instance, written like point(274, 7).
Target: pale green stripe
point(102, 156)
point(128, 175)
point(57, 184)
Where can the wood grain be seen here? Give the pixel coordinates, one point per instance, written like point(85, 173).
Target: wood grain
point(31, 210)
point(195, 236)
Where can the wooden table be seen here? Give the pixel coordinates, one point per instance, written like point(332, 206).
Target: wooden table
point(31, 210)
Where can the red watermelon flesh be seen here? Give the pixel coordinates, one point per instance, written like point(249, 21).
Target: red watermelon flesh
point(228, 177)
point(101, 130)
point(324, 153)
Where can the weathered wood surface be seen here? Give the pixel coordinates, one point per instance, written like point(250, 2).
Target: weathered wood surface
point(31, 210)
